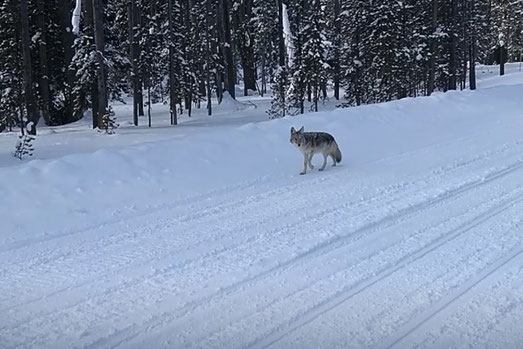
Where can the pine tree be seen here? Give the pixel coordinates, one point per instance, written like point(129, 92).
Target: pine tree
point(43, 45)
point(333, 36)
point(86, 62)
point(151, 43)
point(296, 94)
point(83, 64)
point(50, 54)
point(507, 25)
point(355, 20)
point(134, 55)
point(477, 29)
point(226, 51)
point(174, 59)
point(108, 123)
point(314, 63)
point(191, 50)
point(279, 107)
point(243, 37)
point(11, 74)
point(265, 29)
point(29, 95)
point(24, 147)
point(280, 86)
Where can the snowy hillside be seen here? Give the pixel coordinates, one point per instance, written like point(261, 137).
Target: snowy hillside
point(207, 236)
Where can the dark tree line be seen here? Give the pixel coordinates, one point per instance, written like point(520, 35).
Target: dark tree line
point(185, 52)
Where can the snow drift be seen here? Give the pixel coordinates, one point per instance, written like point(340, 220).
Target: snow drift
point(210, 238)
point(51, 197)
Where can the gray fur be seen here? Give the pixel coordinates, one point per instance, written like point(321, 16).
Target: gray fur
point(310, 143)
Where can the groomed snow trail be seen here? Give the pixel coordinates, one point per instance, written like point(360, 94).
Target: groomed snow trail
point(419, 247)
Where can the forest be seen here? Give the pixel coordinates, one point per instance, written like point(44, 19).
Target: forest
point(61, 58)
point(261, 174)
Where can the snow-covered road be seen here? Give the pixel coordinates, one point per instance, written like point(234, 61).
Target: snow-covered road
point(420, 246)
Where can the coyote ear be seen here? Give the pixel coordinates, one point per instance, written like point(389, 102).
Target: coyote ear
point(293, 130)
point(300, 130)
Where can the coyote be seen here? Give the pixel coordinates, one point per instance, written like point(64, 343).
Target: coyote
point(310, 143)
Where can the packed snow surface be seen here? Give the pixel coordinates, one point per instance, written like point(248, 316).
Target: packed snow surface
point(206, 236)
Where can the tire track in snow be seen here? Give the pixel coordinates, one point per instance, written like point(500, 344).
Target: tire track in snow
point(232, 207)
point(339, 241)
point(440, 277)
point(419, 321)
point(225, 192)
point(189, 200)
point(327, 284)
point(508, 308)
point(378, 197)
point(325, 247)
point(229, 210)
point(459, 165)
point(353, 290)
point(186, 264)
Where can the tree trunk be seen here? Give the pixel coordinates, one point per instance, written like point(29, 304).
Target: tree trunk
point(472, 64)
point(501, 61)
point(432, 61)
point(224, 28)
point(281, 53)
point(149, 104)
point(188, 105)
point(172, 67)
point(141, 78)
point(140, 97)
point(355, 78)
point(188, 87)
point(465, 46)
point(281, 39)
point(89, 28)
point(134, 53)
point(453, 64)
point(298, 61)
point(502, 45)
point(45, 93)
point(244, 44)
point(249, 73)
point(99, 39)
point(216, 50)
point(208, 56)
point(30, 100)
point(68, 40)
point(262, 71)
point(337, 44)
point(316, 96)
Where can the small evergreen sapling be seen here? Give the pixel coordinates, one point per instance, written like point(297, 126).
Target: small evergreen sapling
point(279, 107)
point(109, 124)
point(24, 146)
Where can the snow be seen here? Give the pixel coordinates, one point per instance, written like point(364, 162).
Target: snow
point(229, 105)
point(205, 235)
point(488, 76)
point(75, 20)
point(287, 34)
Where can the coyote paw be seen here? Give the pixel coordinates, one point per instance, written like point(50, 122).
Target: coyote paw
point(302, 173)
point(321, 169)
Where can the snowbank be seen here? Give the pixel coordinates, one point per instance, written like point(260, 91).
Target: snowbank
point(43, 199)
point(229, 104)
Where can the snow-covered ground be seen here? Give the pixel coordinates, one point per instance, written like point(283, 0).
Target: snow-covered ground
point(204, 235)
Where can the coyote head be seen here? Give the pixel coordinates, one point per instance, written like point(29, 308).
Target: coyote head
point(297, 137)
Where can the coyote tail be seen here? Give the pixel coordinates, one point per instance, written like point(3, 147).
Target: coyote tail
point(337, 154)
